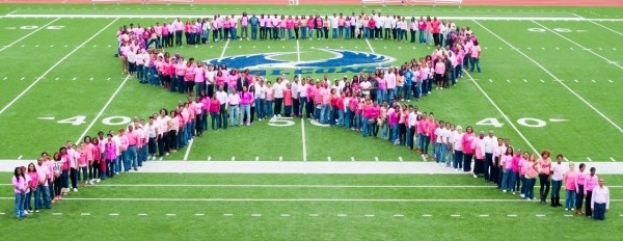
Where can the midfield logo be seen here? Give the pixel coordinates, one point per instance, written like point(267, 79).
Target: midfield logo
point(342, 61)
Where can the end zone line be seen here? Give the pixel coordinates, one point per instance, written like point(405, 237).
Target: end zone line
point(26, 36)
point(303, 138)
point(553, 76)
point(501, 112)
point(54, 66)
point(609, 61)
point(99, 114)
point(370, 46)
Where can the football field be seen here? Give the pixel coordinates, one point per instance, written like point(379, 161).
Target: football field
point(551, 79)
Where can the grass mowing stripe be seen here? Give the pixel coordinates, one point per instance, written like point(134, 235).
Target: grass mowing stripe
point(581, 46)
point(510, 122)
point(27, 35)
point(99, 114)
point(553, 76)
point(54, 66)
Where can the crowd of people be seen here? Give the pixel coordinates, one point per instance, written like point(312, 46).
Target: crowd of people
point(366, 103)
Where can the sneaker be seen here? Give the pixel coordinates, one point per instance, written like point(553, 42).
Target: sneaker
point(475, 176)
point(513, 193)
point(566, 209)
point(98, 180)
point(504, 191)
point(75, 189)
point(522, 195)
point(36, 211)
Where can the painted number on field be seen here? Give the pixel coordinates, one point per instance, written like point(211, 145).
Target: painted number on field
point(560, 30)
point(281, 122)
point(115, 120)
point(51, 27)
point(525, 121)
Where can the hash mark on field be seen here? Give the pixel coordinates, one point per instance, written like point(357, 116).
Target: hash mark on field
point(398, 215)
point(91, 78)
point(85, 214)
point(400, 158)
point(284, 215)
point(368, 215)
point(257, 158)
point(610, 81)
point(233, 158)
point(141, 214)
point(525, 80)
point(483, 215)
point(74, 78)
point(5, 78)
point(19, 157)
point(589, 159)
point(542, 81)
point(57, 78)
point(376, 158)
point(511, 215)
point(280, 158)
point(200, 214)
point(455, 215)
point(228, 214)
point(593, 81)
point(256, 215)
point(113, 214)
point(313, 215)
point(540, 215)
point(108, 78)
point(575, 80)
point(352, 158)
point(342, 215)
point(427, 215)
point(2, 213)
point(23, 78)
point(612, 159)
point(209, 158)
point(568, 215)
point(508, 81)
point(57, 214)
point(328, 158)
point(490, 81)
point(171, 214)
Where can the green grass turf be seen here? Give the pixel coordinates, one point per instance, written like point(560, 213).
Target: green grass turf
point(292, 220)
point(92, 65)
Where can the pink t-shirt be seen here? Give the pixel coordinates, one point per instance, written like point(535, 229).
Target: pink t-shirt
point(570, 181)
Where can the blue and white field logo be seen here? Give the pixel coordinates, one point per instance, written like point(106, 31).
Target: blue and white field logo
point(342, 61)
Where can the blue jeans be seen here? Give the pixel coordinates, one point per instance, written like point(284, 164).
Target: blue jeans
point(19, 205)
point(340, 114)
point(259, 110)
point(441, 152)
point(458, 159)
point(364, 127)
point(268, 109)
point(304, 33)
point(506, 175)
point(324, 115)
point(475, 63)
point(348, 117)
point(246, 110)
point(253, 32)
point(556, 185)
point(530, 187)
point(215, 120)
point(290, 34)
point(380, 96)
point(42, 192)
point(347, 32)
point(511, 184)
point(600, 211)
point(233, 115)
point(130, 158)
point(27, 202)
point(569, 199)
point(334, 32)
point(394, 136)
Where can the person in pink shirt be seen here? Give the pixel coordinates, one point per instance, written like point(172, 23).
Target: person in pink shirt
point(475, 57)
point(468, 148)
point(530, 177)
point(215, 106)
point(479, 154)
point(591, 181)
point(569, 179)
point(440, 72)
point(110, 155)
point(287, 100)
point(580, 180)
point(507, 166)
point(545, 168)
point(246, 100)
point(19, 187)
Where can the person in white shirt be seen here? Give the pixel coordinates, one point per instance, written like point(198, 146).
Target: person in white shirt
point(457, 137)
point(221, 96)
point(260, 98)
point(278, 89)
point(411, 124)
point(600, 201)
point(439, 143)
point(295, 87)
point(490, 142)
point(558, 169)
point(496, 168)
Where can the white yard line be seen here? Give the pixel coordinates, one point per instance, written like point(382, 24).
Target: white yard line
point(508, 120)
point(27, 35)
point(101, 112)
point(303, 138)
point(370, 46)
point(224, 49)
point(600, 25)
point(609, 61)
point(294, 186)
point(554, 77)
point(190, 145)
point(359, 200)
point(194, 16)
point(53, 67)
point(298, 52)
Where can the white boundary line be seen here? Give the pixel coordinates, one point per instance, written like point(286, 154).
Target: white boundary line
point(600, 25)
point(193, 16)
point(190, 145)
point(359, 200)
point(223, 52)
point(370, 46)
point(510, 122)
point(553, 76)
point(609, 61)
point(26, 36)
point(53, 67)
point(99, 114)
point(294, 186)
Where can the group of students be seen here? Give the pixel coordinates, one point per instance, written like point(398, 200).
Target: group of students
point(424, 30)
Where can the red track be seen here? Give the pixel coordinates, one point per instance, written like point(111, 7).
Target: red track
point(601, 3)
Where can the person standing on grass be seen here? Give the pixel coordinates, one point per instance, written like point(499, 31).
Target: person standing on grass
point(515, 175)
point(490, 142)
point(557, 177)
point(580, 180)
point(570, 191)
point(600, 201)
point(475, 57)
point(590, 183)
point(507, 167)
point(58, 176)
point(221, 96)
point(246, 100)
point(254, 22)
point(234, 111)
point(19, 186)
point(497, 168)
point(544, 166)
point(31, 186)
point(531, 173)
point(479, 154)
point(110, 154)
point(287, 100)
point(215, 107)
point(42, 190)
